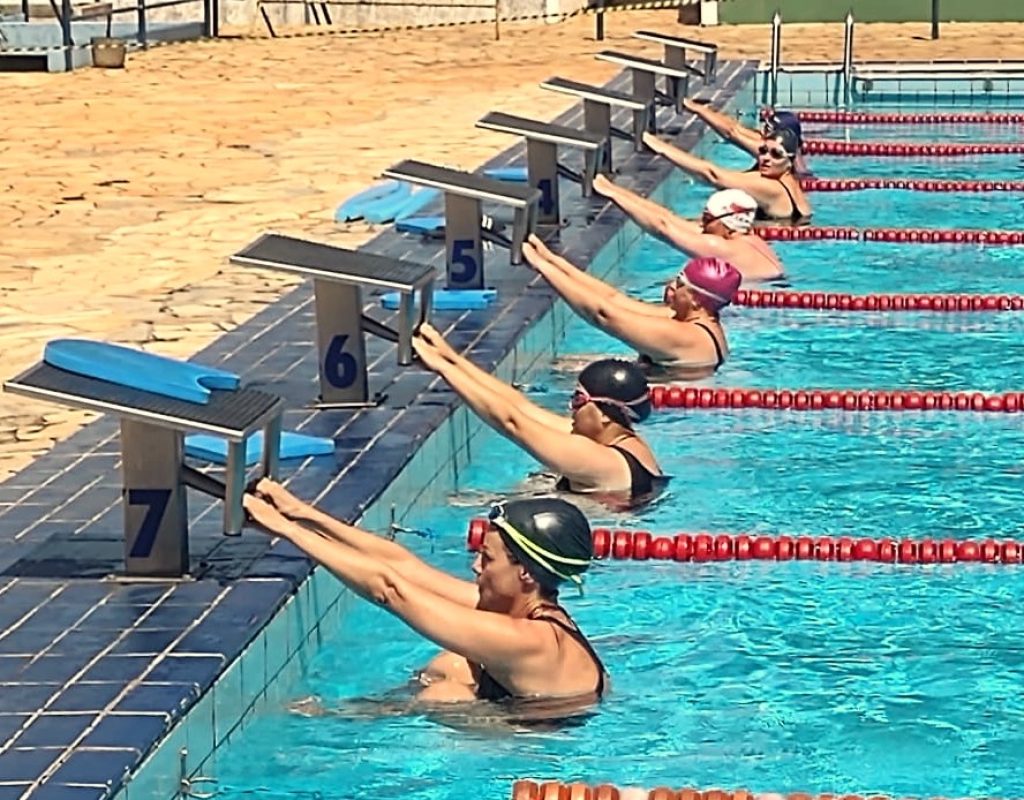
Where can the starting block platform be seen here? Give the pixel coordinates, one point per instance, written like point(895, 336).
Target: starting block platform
point(645, 71)
point(154, 474)
point(542, 166)
point(464, 194)
point(339, 274)
point(597, 110)
point(675, 52)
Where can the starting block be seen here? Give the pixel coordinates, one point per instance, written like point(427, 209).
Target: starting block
point(597, 113)
point(339, 274)
point(464, 232)
point(542, 167)
point(675, 52)
point(644, 71)
point(154, 475)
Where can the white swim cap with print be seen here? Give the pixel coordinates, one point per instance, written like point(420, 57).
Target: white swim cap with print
point(734, 207)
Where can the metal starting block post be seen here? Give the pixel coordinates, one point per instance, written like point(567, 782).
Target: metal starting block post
point(338, 277)
point(597, 113)
point(464, 193)
point(542, 167)
point(675, 52)
point(154, 475)
point(644, 72)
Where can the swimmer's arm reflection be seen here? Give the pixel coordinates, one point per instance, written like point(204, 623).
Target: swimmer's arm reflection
point(657, 220)
point(387, 552)
point(498, 640)
point(583, 460)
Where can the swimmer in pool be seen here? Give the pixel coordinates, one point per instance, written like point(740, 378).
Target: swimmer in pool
point(723, 231)
point(780, 200)
point(681, 338)
point(596, 449)
point(505, 636)
point(749, 139)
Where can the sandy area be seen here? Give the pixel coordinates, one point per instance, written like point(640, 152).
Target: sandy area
point(122, 193)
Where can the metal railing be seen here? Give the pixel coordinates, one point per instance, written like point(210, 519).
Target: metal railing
point(775, 58)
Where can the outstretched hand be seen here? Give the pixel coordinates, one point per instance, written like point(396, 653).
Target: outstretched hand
point(280, 498)
point(603, 186)
point(433, 337)
point(265, 516)
point(653, 142)
point(430, 356)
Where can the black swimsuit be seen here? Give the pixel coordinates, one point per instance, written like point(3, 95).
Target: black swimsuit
point(647, 361)
point(641, 479)
point(796, 217)
point(487, 688)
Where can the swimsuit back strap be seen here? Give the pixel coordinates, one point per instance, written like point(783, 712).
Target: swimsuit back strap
point(577, 635)
point(714, 340)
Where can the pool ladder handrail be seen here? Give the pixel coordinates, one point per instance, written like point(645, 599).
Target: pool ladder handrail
point(775, 58)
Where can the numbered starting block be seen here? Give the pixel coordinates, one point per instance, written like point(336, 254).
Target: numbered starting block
point(675, 52)
point(464, 235)
point(645, 71)
point(542, 166)
point(597, 113)
point(339, 274)
point(154, 475)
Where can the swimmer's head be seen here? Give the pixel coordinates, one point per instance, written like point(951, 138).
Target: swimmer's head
point(712, 282)
point(732, 208)
point(618, 388)
point(777, 153)
point(775, 121)
point(547, 537)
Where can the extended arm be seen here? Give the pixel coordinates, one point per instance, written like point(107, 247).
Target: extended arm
point(764, 191)
point(491, 384)
point(479, 636)
point(582, 460)
point(727, 127)
point(403, 561)
point(684, 234)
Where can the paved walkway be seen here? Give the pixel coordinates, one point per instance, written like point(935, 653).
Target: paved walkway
point(122, 193)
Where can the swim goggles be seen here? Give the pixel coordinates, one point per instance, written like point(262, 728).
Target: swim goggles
point(777, 153)
point(580, 397)
point(544, 557)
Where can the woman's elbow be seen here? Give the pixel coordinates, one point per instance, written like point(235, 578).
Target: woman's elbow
point(384, 590)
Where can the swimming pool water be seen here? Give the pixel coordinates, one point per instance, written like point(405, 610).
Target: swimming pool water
point(965, 133)
point(797, 676)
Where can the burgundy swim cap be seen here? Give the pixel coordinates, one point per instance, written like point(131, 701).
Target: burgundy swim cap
point(713, 281)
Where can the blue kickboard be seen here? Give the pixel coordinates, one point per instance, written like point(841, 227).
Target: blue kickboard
point(352, 207)
point(449, 299)
point(383, 209)
point(425, 225)
point(138, 369)
point(417, 202)
point(510, 174)
point(293, 445)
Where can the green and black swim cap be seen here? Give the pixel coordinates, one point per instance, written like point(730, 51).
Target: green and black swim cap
point(550, 537)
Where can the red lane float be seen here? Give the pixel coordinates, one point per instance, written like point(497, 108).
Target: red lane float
point(785, 233)
point(687, 396)
point(841, 301)
point(554, 790)
point(859, 184)
point(625, 545)
point(838, 147)
point(927, 118)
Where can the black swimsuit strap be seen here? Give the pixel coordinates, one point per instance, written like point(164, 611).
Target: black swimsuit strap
point(795, 214)
point(714, 339)
point(576, 634)
point(641, 479)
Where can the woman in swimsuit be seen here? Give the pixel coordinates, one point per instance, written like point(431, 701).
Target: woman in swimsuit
point(749, 139)
point(505, 635)
point(682, 337)
point(596, 449)
point(776, 189)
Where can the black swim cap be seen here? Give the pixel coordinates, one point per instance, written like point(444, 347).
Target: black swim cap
point(547, 535)
point(619, 388)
